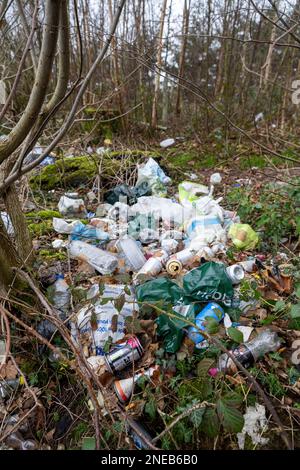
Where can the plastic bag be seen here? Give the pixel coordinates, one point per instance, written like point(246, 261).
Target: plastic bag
point(158, 290)
point(140, 223)
point(243, 236)
point(170, 212)
point(151, 174)
point(121, 193)
point(190, 192)
point(209, 282)
point(71, 207)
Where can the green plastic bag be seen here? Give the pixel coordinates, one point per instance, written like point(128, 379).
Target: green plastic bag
point(171, 333)
point(158, 290)
point(171, 329)
point(165, 291)
point(243, 236)
point(208, 282)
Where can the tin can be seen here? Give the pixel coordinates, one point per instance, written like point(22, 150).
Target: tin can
point(235, 273)
point(124, 388)
point(152, 267)
point(184, 256)
point(139, 439)
point(124, 355)
point(174, 267)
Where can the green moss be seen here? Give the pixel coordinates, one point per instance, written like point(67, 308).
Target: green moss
point(43, 215)
point(72, 172)
point(48, 255)
point(41, 228)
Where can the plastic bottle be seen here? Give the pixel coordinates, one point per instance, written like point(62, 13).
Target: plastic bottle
point(212, 310)
point(16, 441)
point(132, 252)
point(61, 295)
point(101, 260)
point(250, 352)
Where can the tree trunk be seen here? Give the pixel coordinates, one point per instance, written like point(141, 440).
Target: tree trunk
point(22, 235)
point(8, 259)
point(158, 63)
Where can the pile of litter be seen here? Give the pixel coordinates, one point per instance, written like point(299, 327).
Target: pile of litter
point(171, 254)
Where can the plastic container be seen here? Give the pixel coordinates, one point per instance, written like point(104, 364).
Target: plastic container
point(103, 261)
point(235, 273)
point(61, 295)
point(212, 310)
point(132, 252)
point(248, 353)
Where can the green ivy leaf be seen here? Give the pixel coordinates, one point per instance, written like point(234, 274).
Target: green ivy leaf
point(88, 443)
point(235, 334)
point(150, 408)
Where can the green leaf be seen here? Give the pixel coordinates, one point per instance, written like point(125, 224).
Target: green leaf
point(295, 311)
point(197, 416)
point(297, 291)
point(232, 399)
point(105, 301)
point(101, 288)
point(210, 423)
point(127, 290)
point(235, 314)
point(212, 325)
point(150, 408)
point(280, 305)
point(88, 443)
point(119, 302)
point(231, 418)
point(204, 366)
point(235, 334)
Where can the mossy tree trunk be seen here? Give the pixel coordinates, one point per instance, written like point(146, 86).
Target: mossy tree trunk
point(22, 235)
point(8, 259)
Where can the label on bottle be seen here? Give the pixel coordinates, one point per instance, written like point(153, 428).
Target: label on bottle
point(244, 355)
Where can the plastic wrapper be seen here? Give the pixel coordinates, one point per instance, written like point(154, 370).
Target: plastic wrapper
point(108, 321)
point(71, 207)
point(190, 192)
point(170, 212)
point(243, 236)
point(150, 175)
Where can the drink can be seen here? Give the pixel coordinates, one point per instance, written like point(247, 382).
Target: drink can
point(124, 355)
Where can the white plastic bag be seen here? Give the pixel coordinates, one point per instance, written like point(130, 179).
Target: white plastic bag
point(152, 174)
point(62, 226)
point(71, 207)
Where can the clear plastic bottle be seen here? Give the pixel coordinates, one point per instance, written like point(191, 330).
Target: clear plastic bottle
point(16, 441)
point(250, 352)
point(61, 295)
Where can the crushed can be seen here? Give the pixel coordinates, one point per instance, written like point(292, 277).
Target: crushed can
point(124, 355)
point(139, 442)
